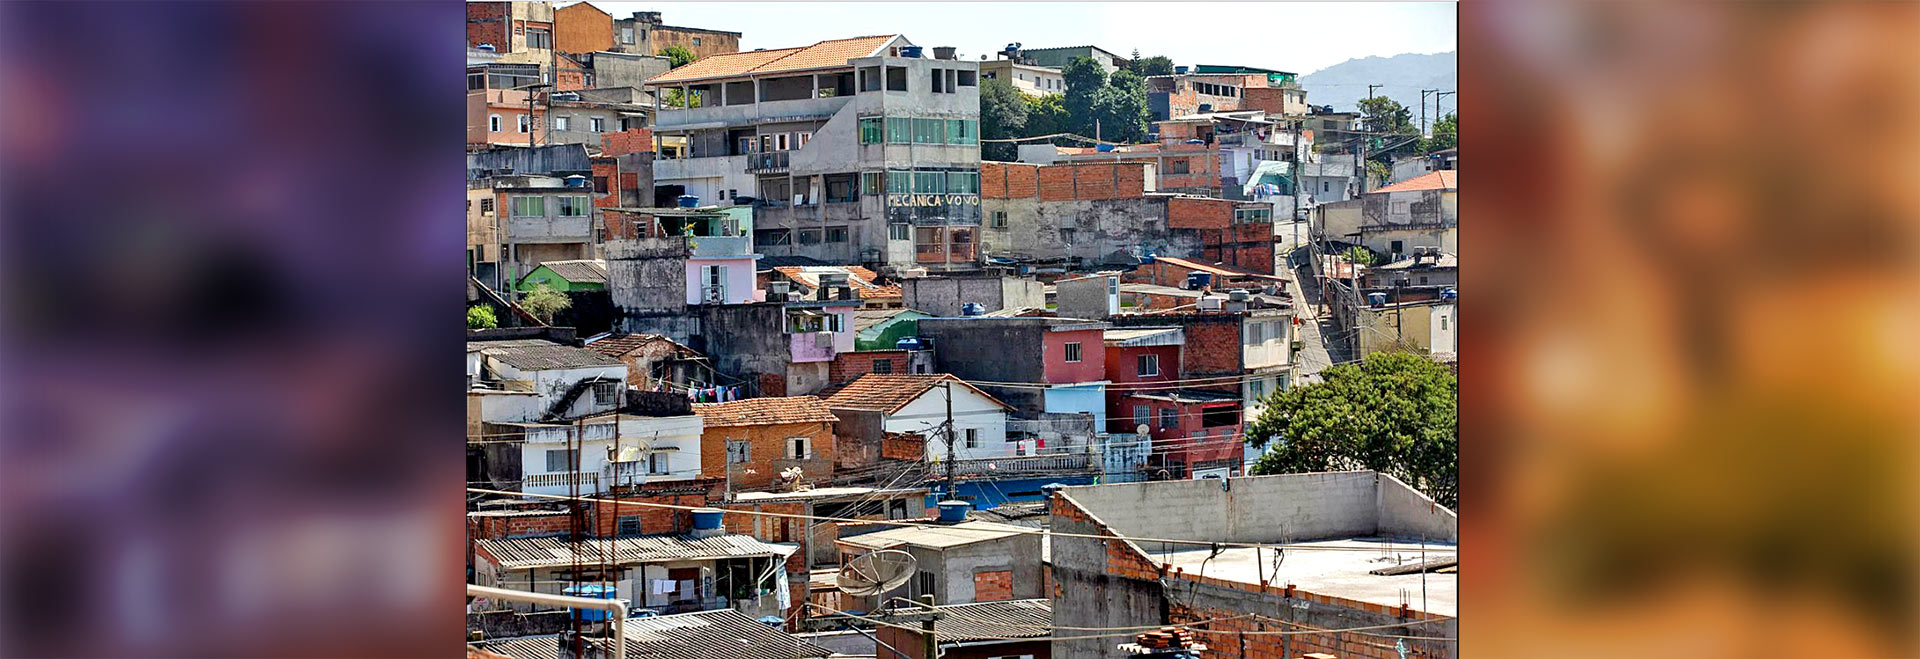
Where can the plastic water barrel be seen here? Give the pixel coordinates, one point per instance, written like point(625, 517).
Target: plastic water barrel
point(1377, 299)
point(910, 51)
point(688, 201)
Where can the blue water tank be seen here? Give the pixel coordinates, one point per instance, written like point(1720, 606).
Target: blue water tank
point(1196, 141)
point(910, 51)
point(1449, 294)
point(910, 343)
point(1377, 299)
point(1103, 148)
point(706, 519)
point(954, 512)
point(688, 201)
point(485, 46)
point(1199, 280)
point(596, 591)
point(576, 181)
point(1180, 70)
point(973, 309)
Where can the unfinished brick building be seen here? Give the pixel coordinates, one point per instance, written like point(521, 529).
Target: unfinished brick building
point(1112, 213)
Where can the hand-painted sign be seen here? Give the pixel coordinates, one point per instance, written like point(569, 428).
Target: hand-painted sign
point(932, 199)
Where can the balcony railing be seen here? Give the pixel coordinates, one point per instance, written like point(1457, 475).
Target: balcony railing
point(721, 246)
point(767, 163)
point(1032, 464)
point(587, 480)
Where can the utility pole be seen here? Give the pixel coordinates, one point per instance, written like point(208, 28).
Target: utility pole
point(947, 427)
point(1436, 104)
point(1423, 110)
point(1366, 128)
point(931, 644)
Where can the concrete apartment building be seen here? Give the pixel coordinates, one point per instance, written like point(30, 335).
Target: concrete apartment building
point(1395, 220)
point(499, 111)
point(854, 151)
point(1032, 79)
point(1049, 365)
point(1091, 213)
point(643, 33)
point(534, 219)
point(1057, 58)
point(1346, 522)
point(1211, 88)
point(958, 563)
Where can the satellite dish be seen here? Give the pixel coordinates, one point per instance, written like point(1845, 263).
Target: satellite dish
point(875, 572)
point(1142, 429)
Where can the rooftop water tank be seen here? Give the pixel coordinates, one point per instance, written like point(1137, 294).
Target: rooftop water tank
point(1449, 294)
point(1199, 280)
point(596, 591)
point(953, 512)
point(689, 201)
point(576, 181)
point(706, 519)
point(1376, 299)
point(910, 343)
point(1103, 148)
point(1196, 141)
point(973, 309)
point(910, 51)
point(1179, 70)
point(943, 52)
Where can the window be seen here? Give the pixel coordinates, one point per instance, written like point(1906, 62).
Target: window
point(539, 39)
point(1443, 322)
point(780, 142)
point(739, 451)
point(529, 206)
point(1147, 365)
point(939, 81)
point(1423, 280)
point(606, 393)
point(656, 463)
point(1258, 388)
point(873, 130)
point(973, 438)
point(1073, 351)
point(696, 42)
point(493, 123)
point(896, 79)
point(899, 130)
point(629, 525)
point(873, 182)
point(559, 461)
point(884, 366)
point(797, 448)
point(561, 122)
point(1396, 247)
point(963, 182)
point(1177, 166)
point(1256, 333)
point(929, 131)
point(963, 131)
point(1399, 207)
point(1142, 414)
point(1326, 186)
point(573, 206)
point(809, 236)
point(840, 188)
point(800, 139)
point(1252, 214)
point(626, 34)
point(766, 143)
point(525, 123)
point(836, 234)
point(600, 184)
point(597, 124)
point(1168, 418)
point(486, 206)
point(930, 182)
point(1069, 236)
point(899, 232)
point(922, 584)
point(1000, 219)
point(966, 79)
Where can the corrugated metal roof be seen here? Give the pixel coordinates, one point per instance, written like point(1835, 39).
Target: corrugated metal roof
point(540, 354)
point(1145, 336)
point(593, 271)
point(986, 621)
point(717, 634)
point(527, 553)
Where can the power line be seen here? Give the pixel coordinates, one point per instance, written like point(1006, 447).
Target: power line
point(1133, 631)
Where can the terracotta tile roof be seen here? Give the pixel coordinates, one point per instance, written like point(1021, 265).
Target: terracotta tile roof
point(765, 412)
point(616, 346)
point(884, 392)
point(1445, 179)
point(817, 56)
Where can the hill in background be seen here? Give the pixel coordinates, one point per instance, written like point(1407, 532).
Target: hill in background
point(1343, 85)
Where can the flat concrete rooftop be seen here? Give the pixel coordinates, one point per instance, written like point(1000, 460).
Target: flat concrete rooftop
point(1339, 573)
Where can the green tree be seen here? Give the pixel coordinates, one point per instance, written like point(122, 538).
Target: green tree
point(1446, 133)
point(1003, 115)
point(1121, 108)
point(1359, 255)
point(481, 316)
point(1395, 412)
point(543, 302)
point(678, 56)
point(1158, 65)
point(1084, 79)
point(1047, 115)
point(1385, 115)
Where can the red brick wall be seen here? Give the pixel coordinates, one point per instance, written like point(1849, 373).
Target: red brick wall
point(606, 168)
point(1194, 213)
point(638, 140)
point(1122, 560)
point(487, 23)
point(494, 528)
point(767, 444)
point(1271, 99)
point(1222, 641)
point(849, 366)
point(903, 447)
point(582, 28)
point(992, 586)
point(1064, 182)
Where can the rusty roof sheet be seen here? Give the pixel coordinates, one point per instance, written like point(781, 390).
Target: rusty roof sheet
point(716, 634)
point(765, 412)
point(821, 55)
point(527, 553)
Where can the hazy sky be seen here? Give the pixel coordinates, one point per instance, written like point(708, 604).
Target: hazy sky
point(1300, 37)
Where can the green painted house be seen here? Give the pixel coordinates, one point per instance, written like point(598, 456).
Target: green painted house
point(879, 329)
point(567, 276)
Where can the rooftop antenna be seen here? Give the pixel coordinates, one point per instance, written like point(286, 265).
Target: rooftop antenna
point(875, 572)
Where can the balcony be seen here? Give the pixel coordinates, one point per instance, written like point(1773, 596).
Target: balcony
point(1037, 465)
point(550, 229)
point(715, 247)
point(929, 253)
point(589, 481)
point(767, 163)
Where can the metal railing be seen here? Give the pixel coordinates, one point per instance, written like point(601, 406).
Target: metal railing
point(562, 479)
point(767, 163)
point(1032, 464)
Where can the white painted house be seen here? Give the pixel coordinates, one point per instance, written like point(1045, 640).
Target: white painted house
point(910, 403)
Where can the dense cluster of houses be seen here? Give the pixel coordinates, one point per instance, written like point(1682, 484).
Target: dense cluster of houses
point(803, 311)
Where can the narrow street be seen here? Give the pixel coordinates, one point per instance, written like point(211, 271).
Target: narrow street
point(1315, 354)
